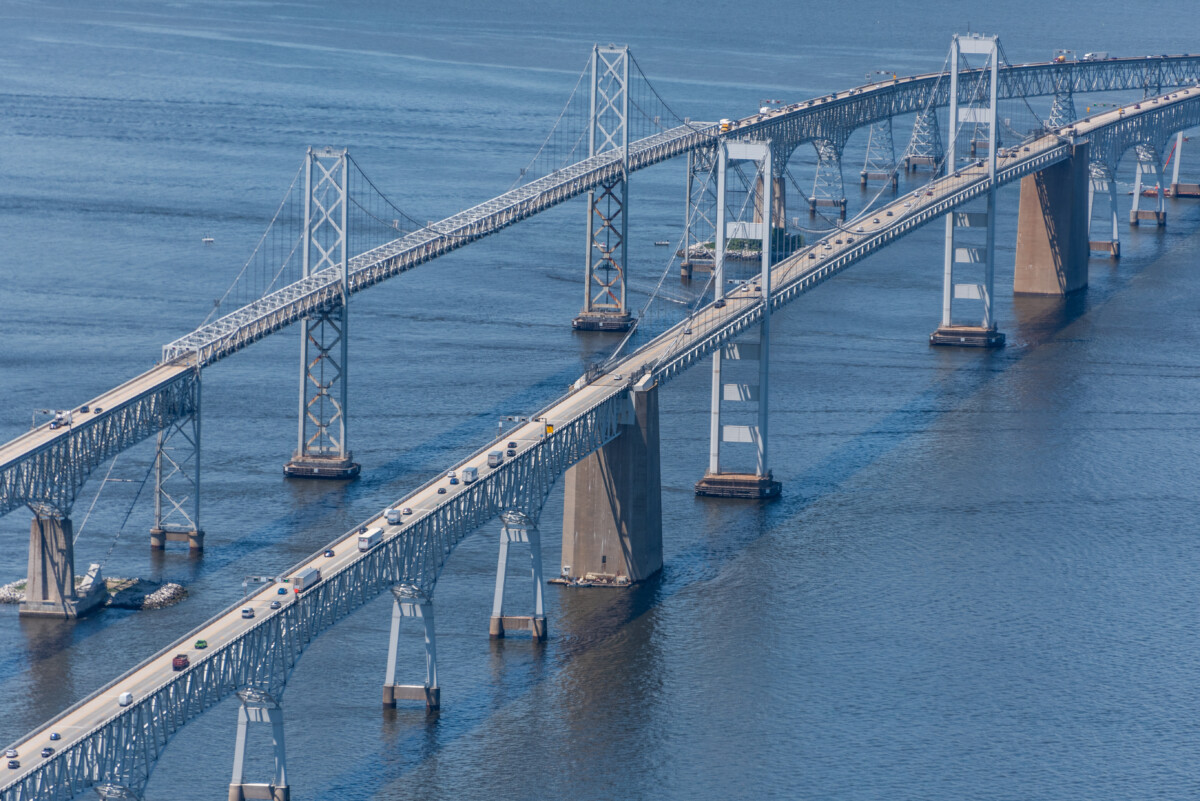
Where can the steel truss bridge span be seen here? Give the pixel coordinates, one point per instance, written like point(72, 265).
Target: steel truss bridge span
point(119, 746)
point(48, 468)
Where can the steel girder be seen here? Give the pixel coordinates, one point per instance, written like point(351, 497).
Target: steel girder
point(52, 474)
point(122, 750)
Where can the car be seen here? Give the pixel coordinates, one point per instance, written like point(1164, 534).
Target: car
point(837, 241)
point(687, 331)
point(96, 410)
point(406, 510)
point(450, 474)
point(812, 255)
point(889, 213)
point(720, 304)
point(876, 220)
point(247, 612)
point(180, 662)
point(362, 529)
point(55, 735)
point(512, 444)
point(275, 604)
point(441, 490)
point(329, 552)
point(828, 246)
point(13, 764)
point(281, 591)
point(199, 645)
point(84, 408)
point(849, 240)
point(453, 481)
point(859, 229)
point(47, 751)
point(11, 753)
point(513, 451)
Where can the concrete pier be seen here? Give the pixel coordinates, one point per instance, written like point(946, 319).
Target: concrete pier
point(159, 537)
point(50, 587)
point(1052, 229)
point(1136, 216)
point(328, 467)
point(612, 515)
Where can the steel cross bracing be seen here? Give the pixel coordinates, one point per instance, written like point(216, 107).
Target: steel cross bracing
point(829, 119)
point(122, 749)
point(47, 469)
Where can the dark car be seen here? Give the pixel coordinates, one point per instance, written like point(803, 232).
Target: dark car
point(55, 735)
point(511, 445)
point(441, 490)
point(511, 452)
point(47, 751)
point(13, 764)
point(329, 552)
point(720, 304)
point(282, 591)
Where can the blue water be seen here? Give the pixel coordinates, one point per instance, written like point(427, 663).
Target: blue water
point(981, 579)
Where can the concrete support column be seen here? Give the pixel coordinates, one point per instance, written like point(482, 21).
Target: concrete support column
point(517, 527)
point(1178, 189)
point(50, 584)
point(410, 602)
point(1052, 228)
point(258, 707)
point(1102, 181)
point(612, 513)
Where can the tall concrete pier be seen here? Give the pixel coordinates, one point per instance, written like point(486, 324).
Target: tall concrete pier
point(612, 517)
point(1052, 229)
point(50, 587)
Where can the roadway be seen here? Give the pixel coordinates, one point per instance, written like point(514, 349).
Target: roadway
point(807, 267)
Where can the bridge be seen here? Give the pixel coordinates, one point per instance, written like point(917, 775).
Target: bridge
point(603, 432)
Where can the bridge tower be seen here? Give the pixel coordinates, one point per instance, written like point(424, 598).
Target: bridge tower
point(828, 188)
point(321, 447)
point(1062, 109)
point(408, 601)
point(518, 527)
point(177, 479)
point(1149, 175)
point(965, 256)
point(607, 254)
point(760, 483)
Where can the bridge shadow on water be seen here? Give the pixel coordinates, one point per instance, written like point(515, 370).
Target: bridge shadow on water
point(597, 621)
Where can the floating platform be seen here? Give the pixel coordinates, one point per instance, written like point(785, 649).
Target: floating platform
point(603, 321)
point(739, 485)
point(967, 336)
point(331, 468)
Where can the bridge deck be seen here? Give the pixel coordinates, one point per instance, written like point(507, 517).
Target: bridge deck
point(663, 357)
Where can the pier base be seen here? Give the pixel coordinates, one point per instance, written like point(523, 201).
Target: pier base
point(159, 537)
point(739, 485)
point(1108, 248)
point(603, 321)
point(967, 336)
point(50, 589)
point(1136, 216)
point(536, 626)
point(432, 696)
point(688, 268)
point(332, 468)
point(1052, 229)
point(259, 792)
point(1185, 190)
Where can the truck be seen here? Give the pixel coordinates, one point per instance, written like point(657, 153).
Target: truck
point(305, 578)
point(726, 124)
point(470, 475)
point(495, 458)
point(1099, 55)
point(370, 539)
point(180, 662)
point(125, 699)
point(394, 516)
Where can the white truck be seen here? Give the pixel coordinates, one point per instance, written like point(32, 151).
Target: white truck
point(470, 475)
point(370, 539)
point(305, 578)
point(1099, 55)
point(394, 516)
point(495, 458)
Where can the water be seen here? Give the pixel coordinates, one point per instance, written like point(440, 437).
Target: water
point(980, 581)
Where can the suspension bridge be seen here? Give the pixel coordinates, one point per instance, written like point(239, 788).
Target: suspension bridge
point(603, 434)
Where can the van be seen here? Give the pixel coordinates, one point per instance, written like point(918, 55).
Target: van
point(125, 699)
point(394, 516)
point(495, 458)
point(470, 475)
point(369, 540)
